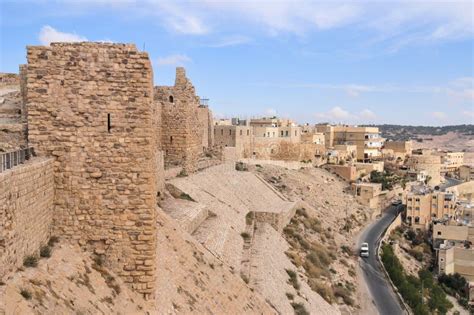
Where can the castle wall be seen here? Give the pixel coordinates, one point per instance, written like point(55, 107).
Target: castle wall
point(26, 211)
point(181, 132)
point(90, 106)
point(207, 126)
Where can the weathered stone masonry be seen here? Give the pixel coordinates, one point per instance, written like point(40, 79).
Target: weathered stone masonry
point(90, 106)
point(181, 132)
point(26, 211)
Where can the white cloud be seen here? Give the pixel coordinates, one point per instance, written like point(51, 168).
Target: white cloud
point(270, 112)
point(439, 115)
point(335, 114)
point(181, 19)
point(173, 60)
point(231, 41)
point(367, 115)
point(49, 35)
point(338, 114)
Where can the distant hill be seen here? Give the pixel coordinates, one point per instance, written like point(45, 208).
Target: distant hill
point(400, 132)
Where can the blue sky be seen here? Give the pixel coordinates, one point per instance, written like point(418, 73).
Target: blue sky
point(403, 62)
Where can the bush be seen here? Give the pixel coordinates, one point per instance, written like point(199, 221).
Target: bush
point(322, 289)
point(290, 296)
point(182, 173)
point(299, 308)
point(245, 235)
point(53, 240)
point(345, 294)
point(416, 254)
point(185, 196)
point(45, 251)
point(293, 279)
point(239, 166)
point(26, 294)
point(30, 261)
point(410, 286)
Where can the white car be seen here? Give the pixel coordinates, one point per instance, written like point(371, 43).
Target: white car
point(364, 250)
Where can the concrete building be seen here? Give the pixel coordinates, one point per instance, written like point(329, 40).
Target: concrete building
point(368, 194)
point(367, 140)
point(235, 135)
point(424, 160)
point(466, 173)
point(456, 259)
point(398, 149)
point(423, 207)
point(450, 161)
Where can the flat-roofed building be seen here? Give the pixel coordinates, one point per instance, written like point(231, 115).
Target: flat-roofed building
point(367, 194)
point(424, 160)
point(400, 149)
point(450, 161)
point(367, 140)
point(423, 208)
point(466, 173)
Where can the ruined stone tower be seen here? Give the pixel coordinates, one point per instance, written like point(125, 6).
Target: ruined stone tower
point(181, 136)
point(90, 106)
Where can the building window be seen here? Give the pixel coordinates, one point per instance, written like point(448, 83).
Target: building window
point(240, 132)
point(439, 232)
point(222, 132)
point(171, 99)
point(286, 133)
point(248, 132)
point(296, 133)
point(274, 134)
point(417, 199)
point(417, 219)
point(281, 133)
point(417, 208)
point(171, 139)
point(409, 199)
point(230, 132)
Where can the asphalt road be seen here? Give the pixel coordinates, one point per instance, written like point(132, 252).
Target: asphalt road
point(449, 182)
point(382, 293)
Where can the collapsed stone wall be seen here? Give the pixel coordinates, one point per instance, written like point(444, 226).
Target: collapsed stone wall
point(181, 136)
point(26, 211)
point(90, 106)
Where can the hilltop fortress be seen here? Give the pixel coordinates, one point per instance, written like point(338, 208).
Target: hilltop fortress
point(104, 135)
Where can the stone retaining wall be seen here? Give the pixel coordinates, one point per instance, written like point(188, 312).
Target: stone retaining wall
point(26, 211)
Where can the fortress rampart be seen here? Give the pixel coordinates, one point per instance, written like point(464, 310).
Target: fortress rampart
point(90, 106)
point(26, 211)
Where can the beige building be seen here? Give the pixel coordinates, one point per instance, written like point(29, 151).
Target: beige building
point(456, 259)
point(328, 132)
point(367, 140)
point(399, 149)
point(450, 161)
point(466, 173)
point(424, 207)
point(283, 129)
point(424, 160)
point(234, 135)
point(367, 194)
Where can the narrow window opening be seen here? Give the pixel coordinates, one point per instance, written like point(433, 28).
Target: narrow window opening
point(109, 125)
point(171, 99)
point(171, 139)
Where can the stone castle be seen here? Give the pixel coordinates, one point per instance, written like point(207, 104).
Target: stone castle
point(104, 136)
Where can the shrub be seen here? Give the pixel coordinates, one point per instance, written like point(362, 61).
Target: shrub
point(322, 289)
point(290, 296)
point(299, 308)
point(346, 249)
point(302, 212)
point(185, 196)
point(239, 166)
point(245, 235)
point(293, 279)
point(26, 294)
point(182, 173)
point(45, 251)
point(30, 261)
point(416, 254)
point(53, 240)
point(345, 294)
